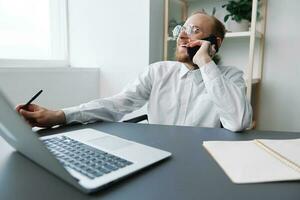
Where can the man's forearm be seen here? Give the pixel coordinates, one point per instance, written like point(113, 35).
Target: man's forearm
point(229, 96)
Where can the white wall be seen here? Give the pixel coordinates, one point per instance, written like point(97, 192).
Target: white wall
point(113, 36)
point(279, 107)
point(156, 31)
point(63, 87)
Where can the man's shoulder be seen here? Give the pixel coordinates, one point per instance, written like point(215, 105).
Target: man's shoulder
point(226, 68)
point(165, 66)
point(230, 71)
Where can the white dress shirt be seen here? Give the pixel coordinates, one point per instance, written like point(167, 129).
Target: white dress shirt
point(177, 96)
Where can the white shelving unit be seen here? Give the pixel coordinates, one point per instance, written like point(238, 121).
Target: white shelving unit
point(248, 35)
point(236, 35)
point(242, 34)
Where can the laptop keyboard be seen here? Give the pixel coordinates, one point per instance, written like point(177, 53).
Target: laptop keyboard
point(83, 158)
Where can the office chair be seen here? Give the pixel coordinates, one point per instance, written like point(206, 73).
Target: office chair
point(145, 117)
point(137, 119)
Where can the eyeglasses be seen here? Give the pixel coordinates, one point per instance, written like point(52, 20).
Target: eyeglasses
point(189, 30)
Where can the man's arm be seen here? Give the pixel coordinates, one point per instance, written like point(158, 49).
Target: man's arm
point(227, 90)
point(113, 108)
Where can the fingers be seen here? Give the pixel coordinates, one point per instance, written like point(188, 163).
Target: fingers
point(18, 107)
point(28, 114)
point(32, 114)
point(205, 45)
point(213, 51)
point(198, 43)
point(195, 43)
point(30, 107)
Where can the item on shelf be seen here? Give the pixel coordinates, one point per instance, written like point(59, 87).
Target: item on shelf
point(240, 14)
point(172, 24)
point(241, 26)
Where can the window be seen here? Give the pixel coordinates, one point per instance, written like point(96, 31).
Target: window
point(32, 31)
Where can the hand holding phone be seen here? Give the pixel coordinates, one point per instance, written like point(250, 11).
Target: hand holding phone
point(193, 50)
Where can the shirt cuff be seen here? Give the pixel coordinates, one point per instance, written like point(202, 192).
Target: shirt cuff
point(210, 71)
point(72, 114)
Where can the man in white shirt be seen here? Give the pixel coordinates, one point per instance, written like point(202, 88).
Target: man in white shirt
point(187, 92)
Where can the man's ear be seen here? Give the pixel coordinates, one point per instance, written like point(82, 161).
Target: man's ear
point(219, 42)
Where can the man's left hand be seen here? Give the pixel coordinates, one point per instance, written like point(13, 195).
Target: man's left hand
point(204, 54)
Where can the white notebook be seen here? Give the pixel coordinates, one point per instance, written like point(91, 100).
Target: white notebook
point(257, 160)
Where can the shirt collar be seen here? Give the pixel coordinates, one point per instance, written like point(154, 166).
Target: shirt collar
point(197, 76)
point(183, 70)
point(196, 73)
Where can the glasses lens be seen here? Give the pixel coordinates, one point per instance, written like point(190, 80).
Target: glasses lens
point(189, 30)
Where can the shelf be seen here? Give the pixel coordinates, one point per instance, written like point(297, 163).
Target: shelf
point(255, 81)
point(242, 34)
point(171, 39)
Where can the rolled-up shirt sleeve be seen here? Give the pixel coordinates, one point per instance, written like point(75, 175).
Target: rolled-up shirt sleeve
point(227, 89)
point(133, 97)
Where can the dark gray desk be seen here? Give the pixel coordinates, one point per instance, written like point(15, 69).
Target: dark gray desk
point(191, 174)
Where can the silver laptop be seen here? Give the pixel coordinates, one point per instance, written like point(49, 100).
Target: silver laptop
point(86, 158)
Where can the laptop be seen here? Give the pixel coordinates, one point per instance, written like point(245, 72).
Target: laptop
point(87, 158)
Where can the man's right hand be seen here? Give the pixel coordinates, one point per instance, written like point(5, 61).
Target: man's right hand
point(41, 117)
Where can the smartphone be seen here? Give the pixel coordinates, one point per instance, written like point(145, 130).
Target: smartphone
point(193, 50)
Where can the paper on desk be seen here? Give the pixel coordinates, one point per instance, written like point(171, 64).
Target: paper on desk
point(247, 162)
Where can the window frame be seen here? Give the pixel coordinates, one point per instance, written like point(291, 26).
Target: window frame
point(59, 41)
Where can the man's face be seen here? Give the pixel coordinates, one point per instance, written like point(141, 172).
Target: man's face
point(200, 22)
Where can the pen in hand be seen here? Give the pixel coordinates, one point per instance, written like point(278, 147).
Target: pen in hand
point(32, 99)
